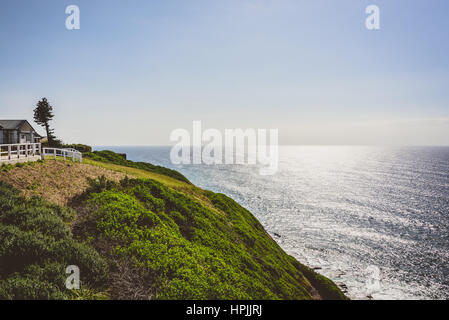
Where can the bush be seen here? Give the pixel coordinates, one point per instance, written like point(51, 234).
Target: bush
point(19, 288)
point(80, 147)
point(36, 245)
point(6, 167)
point(38, 219)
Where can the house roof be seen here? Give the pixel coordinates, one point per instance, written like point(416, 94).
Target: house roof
point(16, 124)
point(11, 124)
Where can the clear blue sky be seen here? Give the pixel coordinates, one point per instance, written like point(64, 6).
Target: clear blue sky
point(138, 69)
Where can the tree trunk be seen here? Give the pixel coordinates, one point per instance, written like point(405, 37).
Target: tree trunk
point(47, 129)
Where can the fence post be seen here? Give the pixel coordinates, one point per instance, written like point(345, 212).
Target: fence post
point(55, 153)
point(9, 152)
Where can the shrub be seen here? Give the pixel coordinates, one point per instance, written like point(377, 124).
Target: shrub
point(80, 147)
point(20, 288)
point(190, 251)
point(36, 245)
point(6, 167)
point(38, 219)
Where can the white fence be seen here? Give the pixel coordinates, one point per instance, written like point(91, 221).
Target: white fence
point(64, 153)
point(21, 152)
point(11, 152)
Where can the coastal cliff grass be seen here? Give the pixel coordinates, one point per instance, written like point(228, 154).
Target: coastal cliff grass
point(36, 246)
point(246, 223)
point(187, 251)
point(111, 157)
point(147, 237)
point(179, 185)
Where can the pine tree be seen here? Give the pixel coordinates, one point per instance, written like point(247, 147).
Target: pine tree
point(43, 114)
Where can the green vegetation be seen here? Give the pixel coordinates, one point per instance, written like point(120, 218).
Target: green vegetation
point(187, 251)
point(114, 158)
point(143, 238)
point(80, 147)
point(36, 246)
point(4, 167)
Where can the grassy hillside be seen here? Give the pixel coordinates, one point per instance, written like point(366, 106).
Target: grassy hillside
point(114, 158)
point(146, 236)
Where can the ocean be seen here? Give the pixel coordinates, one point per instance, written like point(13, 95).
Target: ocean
point(373, 219)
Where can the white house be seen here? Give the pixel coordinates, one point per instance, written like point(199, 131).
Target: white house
point(17, 131)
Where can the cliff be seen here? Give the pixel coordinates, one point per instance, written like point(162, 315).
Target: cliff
point(136, 231)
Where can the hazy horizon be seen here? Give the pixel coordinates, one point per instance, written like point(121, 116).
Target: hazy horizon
point(289, 145)
point(134, 73)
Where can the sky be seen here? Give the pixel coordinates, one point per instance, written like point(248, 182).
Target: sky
point(137, 70)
